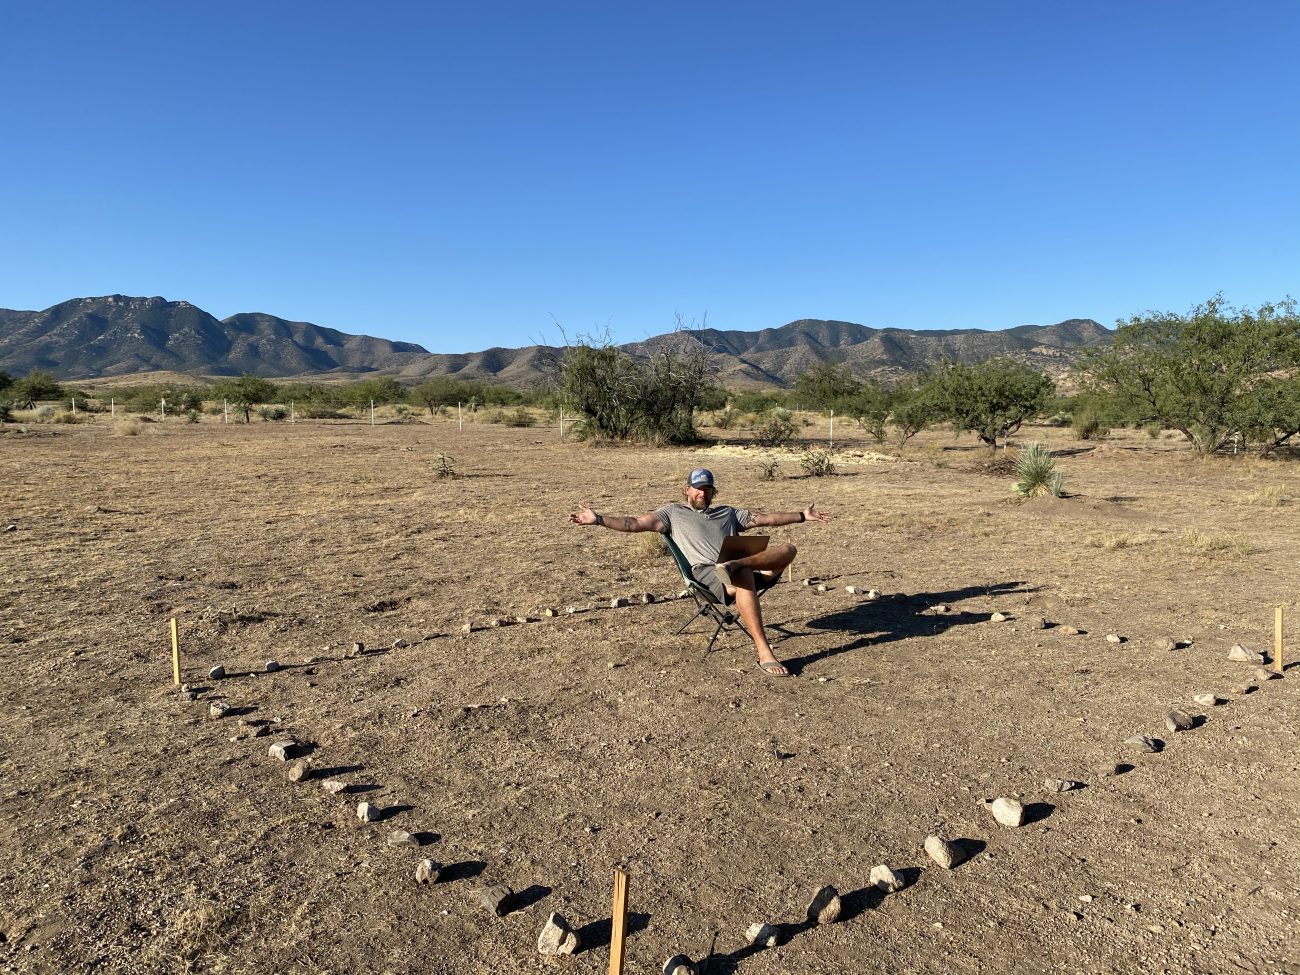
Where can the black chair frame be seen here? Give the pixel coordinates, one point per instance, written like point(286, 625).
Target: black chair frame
point(707, 604)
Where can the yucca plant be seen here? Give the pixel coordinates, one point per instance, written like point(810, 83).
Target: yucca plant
point(1036, 473)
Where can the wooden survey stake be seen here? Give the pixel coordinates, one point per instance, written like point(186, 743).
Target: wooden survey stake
point(618, 924)
point(1278, 615)
point(176, 654)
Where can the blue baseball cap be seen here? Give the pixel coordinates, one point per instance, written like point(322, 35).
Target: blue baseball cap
point(701, 477)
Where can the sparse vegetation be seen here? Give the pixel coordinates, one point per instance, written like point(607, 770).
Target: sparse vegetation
point(776, 428)
point(1036, 473)
point(767, 469)
point(991, 399)
point(442, 466)
point(1209, 542)
point(818, 462)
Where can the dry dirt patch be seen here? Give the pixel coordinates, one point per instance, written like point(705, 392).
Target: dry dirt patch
point(140, 836)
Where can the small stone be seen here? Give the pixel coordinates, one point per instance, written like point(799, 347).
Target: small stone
point(400, 837)
point(366, 812)
point(618, 602)
point(333, 786)
point(272, 666)
point(282, 749)
point(1207, 700)
point(647, 598)
point(680, 965)
point(1243, 689)
point(358, 648)
point(300, 771)
point(1061, 785)
point(1114, 638)
point(763, 935)
point(824, 908)
point(550, 613)
point(1245, 654)
point(467, 628)
point(11, 528)
point(1142, 743)
point(400, 644)
point(188, 695)
point(1008, 812)
point(557, 938)
point(885, 880)
point(218, 709)
point(1037, 623)
point(873, 593)
point(1070, 630)
point(496, 899)
point(261, 731)
point(1263, 674)
point(1179, 721)
point(946, 854)
point(998, 618)
point(217, 672)
point(806, 582)
point(852, 591)
point(822, 587)
point(570, 610)
point(526, 619)
point(1169, 645)
point(942, 608)
point(428, 871)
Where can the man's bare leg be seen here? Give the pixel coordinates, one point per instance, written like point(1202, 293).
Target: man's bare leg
point(751, 615)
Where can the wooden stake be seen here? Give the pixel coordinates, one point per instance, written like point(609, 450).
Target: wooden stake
point(1277, 639)
point(176, 654)
point(618, 924)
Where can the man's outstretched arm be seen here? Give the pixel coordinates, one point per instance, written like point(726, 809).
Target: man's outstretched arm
point(649, 522)
point(771, 519)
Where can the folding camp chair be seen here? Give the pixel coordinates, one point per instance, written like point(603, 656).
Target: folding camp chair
point(707, 604)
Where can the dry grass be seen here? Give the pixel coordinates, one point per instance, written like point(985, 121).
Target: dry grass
point(1269, 496)
point(1114, 540)
point(648, 548)
point(1210, 543)
point(129, 427)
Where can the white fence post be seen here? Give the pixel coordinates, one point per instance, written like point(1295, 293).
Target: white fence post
point(832, 431)
point(372, 413)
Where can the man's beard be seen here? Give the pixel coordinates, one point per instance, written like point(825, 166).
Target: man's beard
point(699, 504)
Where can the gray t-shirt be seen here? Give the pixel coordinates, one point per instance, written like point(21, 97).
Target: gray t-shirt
point(699, 534)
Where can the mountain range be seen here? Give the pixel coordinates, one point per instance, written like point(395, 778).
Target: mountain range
point(116, 335)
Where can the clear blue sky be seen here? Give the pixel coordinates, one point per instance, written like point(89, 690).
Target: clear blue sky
point(457, 174)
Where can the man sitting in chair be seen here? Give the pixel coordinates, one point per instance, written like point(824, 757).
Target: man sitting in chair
point(699, 528)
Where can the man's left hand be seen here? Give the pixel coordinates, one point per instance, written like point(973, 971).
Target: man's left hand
point(811, 513)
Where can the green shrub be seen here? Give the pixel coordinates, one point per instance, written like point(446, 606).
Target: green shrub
point(817, 462)
point(776, 428)
point(1088, 426)
point(324, 413)
point(273, 413)
point(521, 417)
point(192, 416)
point(767, 470)
point(443, 466)
point(726, 418)
point(1153, 430)
point(1036, 473)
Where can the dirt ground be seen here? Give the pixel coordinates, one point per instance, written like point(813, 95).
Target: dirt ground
point(138, 835)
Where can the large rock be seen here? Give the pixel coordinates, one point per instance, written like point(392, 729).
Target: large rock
point(1245, 655)
point(1263, 673)
point(825, 906)
point(1008, 812)
point(218, 710)
point(366, 812)
point(557, 938)
point(1179, 721)
point(1208, 700)
point(1142, 743)
point(946, 854)
point(428, 871)
point(885, 880)
point(283, 749)
point(400, 837)
point(217, 672)
point(497, 899)
point(763, 935)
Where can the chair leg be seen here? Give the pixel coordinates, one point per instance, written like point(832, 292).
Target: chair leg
point(698, 613)
point(709, 649)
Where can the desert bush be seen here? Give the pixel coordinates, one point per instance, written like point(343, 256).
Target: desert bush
point(776, 428)
point(43, 414)
point(273, 414)
point(630, 399)
point(1209, 374)
point(192, 416)
point(6, 411)
point(521, 417)
point(1060, 420)
point(1213, 542)
point(1269, 496)
point(1088, 426)
point(726, 418)
point(767, 469)
point(1112, 541)
point(442, 466)
point(991, 399)
point(911, 410)
point(817, 462)
point(403, 412)
point(70, 417)
point(1036, 473)
point(1153, 430)
point(128, 427)
point(324, 413)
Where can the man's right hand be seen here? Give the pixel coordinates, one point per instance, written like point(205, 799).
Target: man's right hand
point(583, 516)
